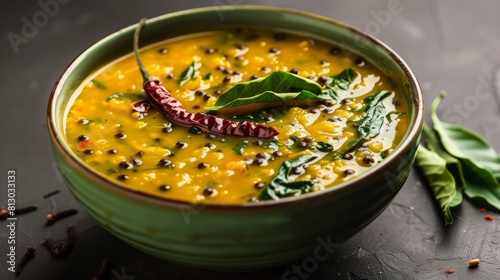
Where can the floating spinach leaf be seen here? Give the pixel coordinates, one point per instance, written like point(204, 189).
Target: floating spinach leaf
point(340, 83)
point(324, 147)
point(267, 99)
point(99, 84)
point(344, 79)
point(278, 82)
point(274, 89)
point(375, 112)
point(240, 147)
point(481, 183)
point(439, 179)
point(279, 87)
point(283, 185)
point(370, 124)
point(134, 96)
point(188, 74)
point(207, 76)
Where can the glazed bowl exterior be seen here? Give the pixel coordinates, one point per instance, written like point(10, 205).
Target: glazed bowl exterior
point(238, 237)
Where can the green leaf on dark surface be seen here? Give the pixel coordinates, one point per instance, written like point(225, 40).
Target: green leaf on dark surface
point(284, 185)
point(464, 143)
point(475, 156)
point(479, 186)
point(188, 74)
point(472, 145)
point(452, 164)
point(99, 84)
point(439, 179)
point(134, 96)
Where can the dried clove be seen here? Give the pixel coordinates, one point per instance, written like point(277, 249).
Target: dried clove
point(48, 244)
point(102, 271)
point(4, 212)
point(68, 244)
point(23, 210)
point(30, 254)
point(63, 247)
point(51, 218)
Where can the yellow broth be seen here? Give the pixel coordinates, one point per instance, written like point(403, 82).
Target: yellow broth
point(132, 148)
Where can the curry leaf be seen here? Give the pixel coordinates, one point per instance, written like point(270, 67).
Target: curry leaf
point(439, 179)
point(284, 185)
point(475, 155)
point(189, 73)
point(99, 84)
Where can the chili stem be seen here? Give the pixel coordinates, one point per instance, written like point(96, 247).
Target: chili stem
point(142, 68)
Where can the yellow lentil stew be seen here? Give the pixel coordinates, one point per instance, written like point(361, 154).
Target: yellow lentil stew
point(320, 144)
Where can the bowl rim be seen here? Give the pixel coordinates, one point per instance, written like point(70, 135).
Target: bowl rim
point(411, 136)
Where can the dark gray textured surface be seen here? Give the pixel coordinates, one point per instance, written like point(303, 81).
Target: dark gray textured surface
point(450, 45)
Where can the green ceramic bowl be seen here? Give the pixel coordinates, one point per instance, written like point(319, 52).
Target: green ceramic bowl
point(235, 237)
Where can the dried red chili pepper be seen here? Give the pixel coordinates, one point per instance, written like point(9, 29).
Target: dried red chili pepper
point(173, 110)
